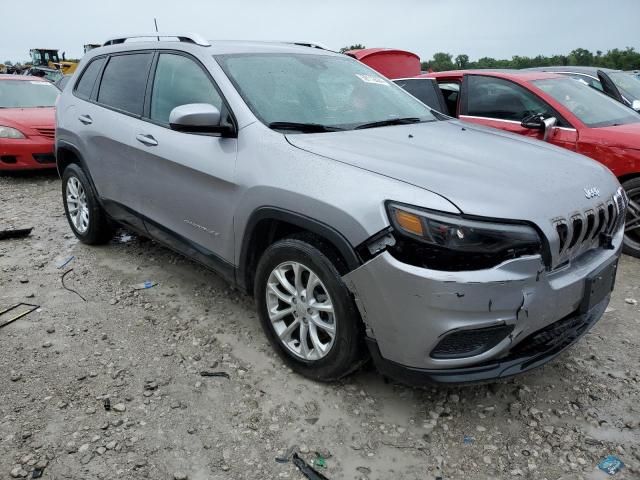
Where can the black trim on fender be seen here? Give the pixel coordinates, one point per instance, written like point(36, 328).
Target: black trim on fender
point(518, 361)
point(64, 145)
point(302, 221)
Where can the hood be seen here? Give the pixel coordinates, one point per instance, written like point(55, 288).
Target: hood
point(26, 118)
point(483, 171)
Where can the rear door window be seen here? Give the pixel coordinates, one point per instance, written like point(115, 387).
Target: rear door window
point(180, 81)
point(496, 98)
point(88, 78)
point(124, 82)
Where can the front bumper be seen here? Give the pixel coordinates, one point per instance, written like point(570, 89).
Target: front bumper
point(30, 153)
point(408, 310)
point(519, 360)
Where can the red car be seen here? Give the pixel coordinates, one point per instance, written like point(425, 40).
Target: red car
point(27, 123)
point(558, 109)
point(390, 62)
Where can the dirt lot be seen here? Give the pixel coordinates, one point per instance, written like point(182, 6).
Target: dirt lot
point(144, 351)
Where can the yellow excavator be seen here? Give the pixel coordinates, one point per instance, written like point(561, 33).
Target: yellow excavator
point(49, 58)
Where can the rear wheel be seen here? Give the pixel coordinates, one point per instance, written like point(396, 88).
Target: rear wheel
point(306, 310)
point(632, 222)
point(84, 213)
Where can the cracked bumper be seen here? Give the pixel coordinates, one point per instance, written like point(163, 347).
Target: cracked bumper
point(408, 310)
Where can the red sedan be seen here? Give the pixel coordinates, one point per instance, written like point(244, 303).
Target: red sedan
point(27, 123)
point(560, 110)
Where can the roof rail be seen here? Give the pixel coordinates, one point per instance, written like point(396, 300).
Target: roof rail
point(182, 37)
point(311, 45)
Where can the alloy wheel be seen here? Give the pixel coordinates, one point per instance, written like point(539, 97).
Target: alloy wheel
point(77, 205)
point(632, 222)
point(301, 311)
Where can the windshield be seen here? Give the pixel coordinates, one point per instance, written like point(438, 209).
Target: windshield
point(27, 94)
point(593, 108)
point(329, 91)
point(629, 85)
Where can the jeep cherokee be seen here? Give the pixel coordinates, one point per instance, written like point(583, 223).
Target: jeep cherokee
point(363, 222)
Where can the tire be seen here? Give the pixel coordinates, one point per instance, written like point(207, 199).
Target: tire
point(334, 357)
point(97, 229)
point(631, 244)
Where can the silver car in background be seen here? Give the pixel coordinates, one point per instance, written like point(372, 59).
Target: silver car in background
point(363, 223)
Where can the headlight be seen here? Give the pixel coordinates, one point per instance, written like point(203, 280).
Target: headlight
point(450, 242)
point(8, 132)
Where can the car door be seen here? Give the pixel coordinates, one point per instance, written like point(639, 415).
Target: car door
point(609, 87)
point(187, 179)
point(426, 90)
point(503, 104)
point(112, 147)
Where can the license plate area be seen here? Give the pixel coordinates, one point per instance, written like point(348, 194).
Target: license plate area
point(598, 285)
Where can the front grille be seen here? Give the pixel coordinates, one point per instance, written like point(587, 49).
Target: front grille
point(467, 343)
point(44, 157)
point(46, 132)
point(583, 230)
point(8, 159)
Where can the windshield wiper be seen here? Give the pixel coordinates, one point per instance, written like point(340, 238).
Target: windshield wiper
point(304, 127)
point(391, 121)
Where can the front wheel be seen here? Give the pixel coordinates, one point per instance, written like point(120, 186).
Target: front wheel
point(307, 312)
point(632, 222)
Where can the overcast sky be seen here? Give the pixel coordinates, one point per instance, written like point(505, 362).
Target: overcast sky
point(494, 28)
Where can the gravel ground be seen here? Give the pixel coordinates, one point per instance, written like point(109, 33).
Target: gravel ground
point(144, 351)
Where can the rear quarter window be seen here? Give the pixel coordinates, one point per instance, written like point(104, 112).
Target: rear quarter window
point(88, 78)
point(124, 82)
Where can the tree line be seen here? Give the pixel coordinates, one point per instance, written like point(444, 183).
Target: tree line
point(627, 59)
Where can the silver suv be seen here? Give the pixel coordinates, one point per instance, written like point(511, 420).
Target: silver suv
point(364, 223)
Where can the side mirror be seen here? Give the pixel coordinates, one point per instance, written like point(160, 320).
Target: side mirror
point(533, 122)
point(198, 118)
point(538, 122)
point(636, 105)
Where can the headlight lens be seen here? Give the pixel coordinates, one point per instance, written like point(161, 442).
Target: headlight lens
point(8, 132)
point(450, 242)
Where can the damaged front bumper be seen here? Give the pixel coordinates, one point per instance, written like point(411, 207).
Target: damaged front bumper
point(427, 325)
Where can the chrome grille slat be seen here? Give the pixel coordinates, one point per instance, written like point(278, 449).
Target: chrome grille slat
point(576, 227)
point(591, 223)
point(611, 216)
point(602, 220)
point(563, 233)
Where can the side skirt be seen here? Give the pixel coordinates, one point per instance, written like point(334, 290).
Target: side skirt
point(170, 239)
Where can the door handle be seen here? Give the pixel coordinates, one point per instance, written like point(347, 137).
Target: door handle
point(147, 140)
point(86, 119)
